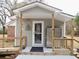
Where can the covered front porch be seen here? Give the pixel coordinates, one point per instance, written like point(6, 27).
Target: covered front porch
point(39, 33)
point(42, 26)
point(51, 45)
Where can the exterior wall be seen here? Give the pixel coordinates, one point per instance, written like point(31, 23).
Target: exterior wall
point(27, 29)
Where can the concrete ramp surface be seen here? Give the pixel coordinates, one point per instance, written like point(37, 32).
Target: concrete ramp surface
point(45, 57)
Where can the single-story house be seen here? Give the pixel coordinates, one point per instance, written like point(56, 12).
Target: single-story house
point(37, 22)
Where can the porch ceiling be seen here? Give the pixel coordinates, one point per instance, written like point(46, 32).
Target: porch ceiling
point(58, 16)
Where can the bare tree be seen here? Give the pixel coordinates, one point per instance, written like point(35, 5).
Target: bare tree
point(6, 10)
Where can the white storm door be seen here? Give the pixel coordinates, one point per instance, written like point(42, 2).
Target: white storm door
point(38, 27)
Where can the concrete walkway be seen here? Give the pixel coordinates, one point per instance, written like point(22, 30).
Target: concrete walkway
point(45, 57)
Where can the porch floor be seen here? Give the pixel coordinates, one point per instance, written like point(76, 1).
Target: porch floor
point(47, 51)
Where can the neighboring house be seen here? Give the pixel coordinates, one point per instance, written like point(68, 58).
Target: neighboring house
point(10, 26)
point(37, 21)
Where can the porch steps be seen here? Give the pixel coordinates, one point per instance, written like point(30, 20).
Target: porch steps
point(36, 53)
point(45, 53)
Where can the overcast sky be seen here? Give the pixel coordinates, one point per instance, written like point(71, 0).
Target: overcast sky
point(68, 6)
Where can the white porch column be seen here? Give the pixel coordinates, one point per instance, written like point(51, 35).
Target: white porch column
point(64, 29)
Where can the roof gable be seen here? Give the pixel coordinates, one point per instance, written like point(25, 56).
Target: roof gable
point(34, 4)
point(37, 12)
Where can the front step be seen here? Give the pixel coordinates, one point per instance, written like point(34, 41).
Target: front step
point(36, 53)
point(47, 51)
point(54, 52)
